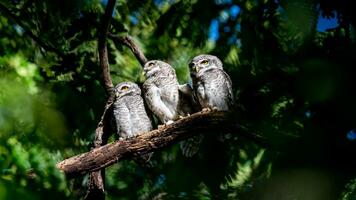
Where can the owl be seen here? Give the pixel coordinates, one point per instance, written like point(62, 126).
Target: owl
point(212, 89)
point(161, 90)
point(212, 85)
point(165, 97)
point(129, 111)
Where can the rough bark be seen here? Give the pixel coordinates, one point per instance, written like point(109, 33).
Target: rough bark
point(96, 181)
point(101, 157)
point(102, 45)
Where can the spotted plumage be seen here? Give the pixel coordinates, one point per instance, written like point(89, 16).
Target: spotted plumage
point(213, 90)
point(161, 90)
point(129, 111)
point(212, 85)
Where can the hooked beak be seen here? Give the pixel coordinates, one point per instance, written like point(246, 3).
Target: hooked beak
point(195, 69)
point(117, 95)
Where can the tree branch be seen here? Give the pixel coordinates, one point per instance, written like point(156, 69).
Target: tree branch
point(18, 21)
point(97, 178)
point(101, 157)
point(128, 41)
point(102, 45)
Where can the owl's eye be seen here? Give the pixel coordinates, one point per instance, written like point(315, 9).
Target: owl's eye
point(204, 62)
point(124, 88)
point(150, 65)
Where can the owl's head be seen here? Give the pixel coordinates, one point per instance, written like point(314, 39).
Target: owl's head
point(126, 88)
point(202, 63)
point(156, 67)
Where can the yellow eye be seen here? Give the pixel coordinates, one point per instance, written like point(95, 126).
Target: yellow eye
point(124, 88)
point(204, 62)
point(150, 65)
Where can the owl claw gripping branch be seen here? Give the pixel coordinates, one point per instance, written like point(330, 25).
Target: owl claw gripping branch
point(169, 101)
point(130, 116)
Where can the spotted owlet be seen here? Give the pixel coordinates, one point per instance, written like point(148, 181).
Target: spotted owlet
point(212, 85)
point(165, 97)
point(130, 115)
point(161, 91)
point(212, 88)
point(129, 111)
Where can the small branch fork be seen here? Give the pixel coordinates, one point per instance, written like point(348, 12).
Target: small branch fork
point(96, 177)
point(129, 42)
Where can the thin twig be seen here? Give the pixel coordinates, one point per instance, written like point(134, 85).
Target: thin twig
point(128, 41)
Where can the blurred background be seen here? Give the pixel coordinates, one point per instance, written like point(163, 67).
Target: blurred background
point(291, 66)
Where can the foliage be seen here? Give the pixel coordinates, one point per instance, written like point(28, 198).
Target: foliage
point(293, 84)
point(350, 191)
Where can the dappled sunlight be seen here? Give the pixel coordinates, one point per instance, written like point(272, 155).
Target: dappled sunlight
point(245, 168)
point(291, 66)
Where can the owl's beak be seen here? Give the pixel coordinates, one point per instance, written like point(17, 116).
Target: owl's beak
point(196, 69)
point(117, 95)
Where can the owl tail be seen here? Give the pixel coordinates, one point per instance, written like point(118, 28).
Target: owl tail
point(191, 146)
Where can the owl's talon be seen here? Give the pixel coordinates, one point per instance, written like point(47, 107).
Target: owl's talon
point(165, 124)
point(169, 122)
point(206, 110)
point(180, 117)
